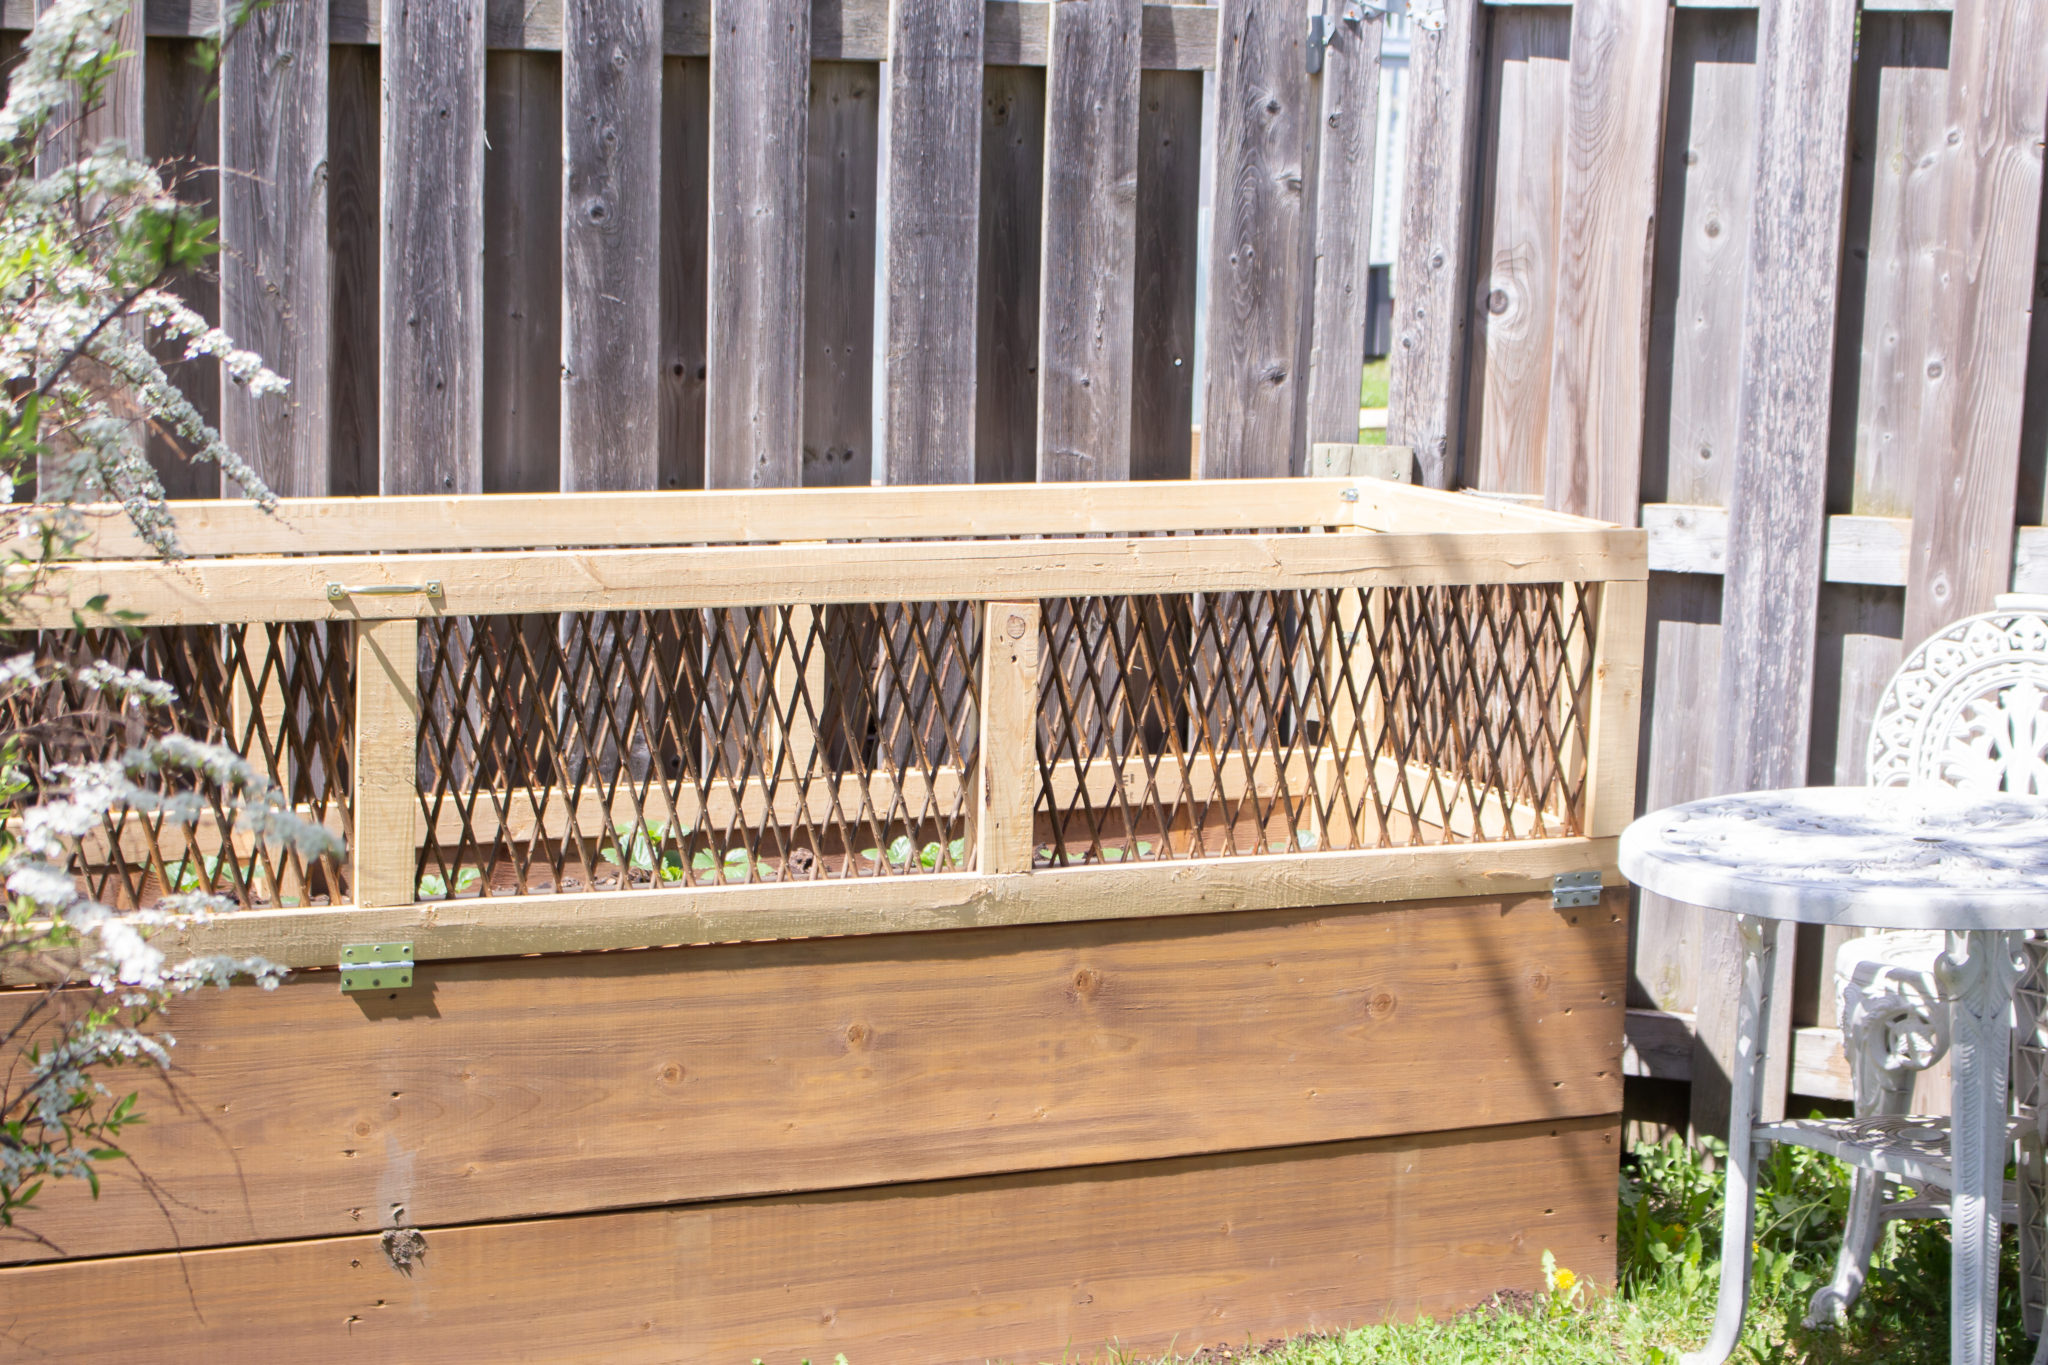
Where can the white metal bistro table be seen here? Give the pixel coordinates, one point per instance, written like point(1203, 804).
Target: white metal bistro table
point(1923, 857)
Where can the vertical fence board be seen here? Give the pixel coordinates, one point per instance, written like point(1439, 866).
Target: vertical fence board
point(1007, 290)
point(1897, 126)
point(1778, 507)
point(1514, 297)
point(685, 271)
point(523, 387)
point(1256, 262)
point(934, 189)
point(1163, 309)
point(839, 274)
point(1689, 442)
point(181, 127)
point(1345, 146)
point(1426, 394)
point(1089, 238)
point(431, 432)
point(1600, 349)
point(273, 264)
point(353, 181)
point(611, 235)
point(1985, 273)
point(760, 110)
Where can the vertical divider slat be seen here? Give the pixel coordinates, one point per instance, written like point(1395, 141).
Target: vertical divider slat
point(1257, 257)
point(1346, 144)
point(181, 128)
point(1089, 238)
point(353, 198)
point(760, 111)
point(685, 177)
point(386, 802)
point(274, 290)
point(1613, 720)
point(431, 371)
point(1599, 358)
point(1005, 798)
point(934, 189)
point(1778, 507)
point(1426, 398)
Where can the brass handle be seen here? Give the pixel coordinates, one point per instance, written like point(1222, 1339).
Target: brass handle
point(337, 592)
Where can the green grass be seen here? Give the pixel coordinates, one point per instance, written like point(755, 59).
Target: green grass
point(1372, 393)
point(1669, 1229)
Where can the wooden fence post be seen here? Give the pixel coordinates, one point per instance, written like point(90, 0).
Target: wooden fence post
point(1006, 797)
point(386, 761)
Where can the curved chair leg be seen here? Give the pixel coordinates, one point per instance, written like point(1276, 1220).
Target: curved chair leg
point(1738, 1225)
point(1880, 1090)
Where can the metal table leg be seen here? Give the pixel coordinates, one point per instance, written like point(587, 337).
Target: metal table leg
point(1738, 1219)
point(1978, 974)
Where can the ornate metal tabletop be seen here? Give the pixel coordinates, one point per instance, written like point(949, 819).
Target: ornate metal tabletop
point(1920, 857)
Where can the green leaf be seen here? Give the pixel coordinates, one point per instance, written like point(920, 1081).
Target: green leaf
point(957, 851)
point(1143, 848)
point(870, 854)
point(736, 857)
point(432, 885)
point(467, 877)
point(900, 849)
point(1112, 855)
point(928, 856)
point(702, 861)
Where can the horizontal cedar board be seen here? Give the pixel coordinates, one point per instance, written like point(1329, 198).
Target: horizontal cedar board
point(1173, 36)
point(198, 591)
point(1055, 1265)
point(513, 521)
point(600, 921)
point(535, 1086)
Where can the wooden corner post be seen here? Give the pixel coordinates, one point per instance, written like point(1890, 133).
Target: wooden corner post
point(1615, 715)
point(386, 758)
point(1006, 798)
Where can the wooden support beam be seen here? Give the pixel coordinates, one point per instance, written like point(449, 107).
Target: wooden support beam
point(1772, 589)
point(197, 591)
point(1693, 539)
point(386, 801)
point(1089, 238)
point(1614, 717)
point(1006, 797)
point(274, 289)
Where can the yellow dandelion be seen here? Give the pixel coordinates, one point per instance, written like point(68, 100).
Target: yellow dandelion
point(1565, 1279)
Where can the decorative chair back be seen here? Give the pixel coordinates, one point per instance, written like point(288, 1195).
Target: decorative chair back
point(1969, 708)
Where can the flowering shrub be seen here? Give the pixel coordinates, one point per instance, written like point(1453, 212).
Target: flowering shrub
point(87, 249)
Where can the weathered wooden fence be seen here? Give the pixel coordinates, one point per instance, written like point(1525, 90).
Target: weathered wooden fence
point(1770, 275)
point(1765, 275)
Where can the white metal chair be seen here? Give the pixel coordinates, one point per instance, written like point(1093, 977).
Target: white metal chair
point(1969, 708)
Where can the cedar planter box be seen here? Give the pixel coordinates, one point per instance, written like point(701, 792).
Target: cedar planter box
point(921, 924)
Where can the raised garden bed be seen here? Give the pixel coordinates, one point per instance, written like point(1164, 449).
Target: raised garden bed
point(1246, 799)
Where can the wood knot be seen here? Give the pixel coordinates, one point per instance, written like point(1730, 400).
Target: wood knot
point(1381, 1004)
point(1087, 983)
point(1539, 982)
point(672, 1074)
point(857, 1035)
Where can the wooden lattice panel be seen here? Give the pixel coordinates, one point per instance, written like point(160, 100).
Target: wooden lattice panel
point(1226, 724)
point(614, 751)
point(278, 694)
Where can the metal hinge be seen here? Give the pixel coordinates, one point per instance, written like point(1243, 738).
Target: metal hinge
point(376, 966)
point(1571, 889)
point(1320, 30)
point(1427, 15)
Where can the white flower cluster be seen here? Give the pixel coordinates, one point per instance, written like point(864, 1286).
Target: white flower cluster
point(84, 311)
